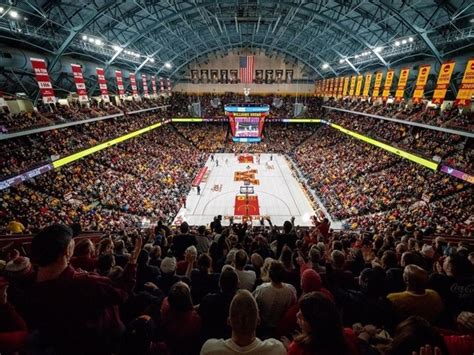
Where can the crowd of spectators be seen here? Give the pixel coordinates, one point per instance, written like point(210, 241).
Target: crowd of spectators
point(52, 114)
point(146, 177)
point(369, 187)
point(22, 153)
point(238, 289)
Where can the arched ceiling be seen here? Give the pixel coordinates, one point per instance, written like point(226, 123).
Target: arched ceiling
point(329, 37)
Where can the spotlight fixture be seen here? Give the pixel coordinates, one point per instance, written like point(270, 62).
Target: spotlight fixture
point(410, 39)
point(84, 38)
point(397, 43)
point(404, 41)
point(168, 65)
point(341, 61)
point(13, 14)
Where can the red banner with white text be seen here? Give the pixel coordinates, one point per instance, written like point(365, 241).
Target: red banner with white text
point(153, 86)
point(145, 86)
point(120, 87)
point(79, 81)
point(102, 84)
point(42, 78)
point(168, 81)
point(162, 85)
point(133, 85)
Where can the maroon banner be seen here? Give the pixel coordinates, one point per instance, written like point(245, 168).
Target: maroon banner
point(162, 85)
point(80, 84)
point(197, 180)
point(145, 86)
point(42, 78)
point(120, 87)
point(133, 84)
point(153, 86)
point(168, 82)
point(102, 84)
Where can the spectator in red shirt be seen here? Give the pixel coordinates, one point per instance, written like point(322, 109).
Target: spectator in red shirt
point(181, 324)
point(73, 312)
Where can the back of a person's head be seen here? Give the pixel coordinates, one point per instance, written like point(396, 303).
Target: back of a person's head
point(286, 256)
point(413, 333)
point(243, 313)
point(314, 255)
point(415, 277)
point(411, 258)
point(179, 298)
point(389, 259)
point(310, 281)
point(276, 271)
point(50, 244)
point(338, 259)
point(202, 230)
point(240, 259)
point(119, 246)
point(324, 331)
point(105, 263)
point(184, 228)
point(204, 262)
point(143, 258)
point(337, 245)
point(228, 281)
point(138, 336)
point(76, 229)
point(287, 226)
point(460, 266)
point(83, 247)
point(372, 281)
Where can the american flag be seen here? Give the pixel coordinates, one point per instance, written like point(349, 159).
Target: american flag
point(246, 69)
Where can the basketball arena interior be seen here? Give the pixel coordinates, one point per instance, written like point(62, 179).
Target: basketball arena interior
point(237, 177)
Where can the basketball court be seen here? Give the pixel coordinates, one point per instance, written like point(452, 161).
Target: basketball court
point(247, 187)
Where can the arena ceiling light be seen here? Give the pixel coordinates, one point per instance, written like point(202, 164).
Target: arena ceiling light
point(341, 61)
point(325, 65)
point(1, 10)
point(378, 49)
point(151, 60)
point(13, 14)
point(168, 65)
point(410, 39)
point(397, 43)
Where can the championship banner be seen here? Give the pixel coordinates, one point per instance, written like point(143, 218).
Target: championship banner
point(402, 84)
point(80, 84)
point(102, 84)
point(444, 77)
point(368, 79)
point(133, 84)
point(359, 85)
point(120, 87)
point(145, 86)
point(331, 83)
point(421, 81)
point(162, 85)
point(153, 86)
point(341, 87)
point(346, 86)
point(352, 87)
point(377, 84)
point(467, 85)
point(42, 78)
point(168, 81)
point(388, 84)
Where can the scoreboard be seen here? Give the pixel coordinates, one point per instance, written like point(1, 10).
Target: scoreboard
point(246, 121)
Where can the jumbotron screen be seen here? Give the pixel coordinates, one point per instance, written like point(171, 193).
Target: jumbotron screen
point(246, 121)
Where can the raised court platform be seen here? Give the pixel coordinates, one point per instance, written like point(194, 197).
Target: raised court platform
point(277, 193)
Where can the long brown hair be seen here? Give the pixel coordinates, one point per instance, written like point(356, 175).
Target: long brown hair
point(326, 335)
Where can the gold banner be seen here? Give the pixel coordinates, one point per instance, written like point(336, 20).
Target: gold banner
point(421, 81)
point(388, 84)
point(368, 79)
point(377, 84)
point(402, 83)
point(352, 87)
point(467, 85)
point(341, 86)
point(359, 85)
point(444, 77)
point(346, 86)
